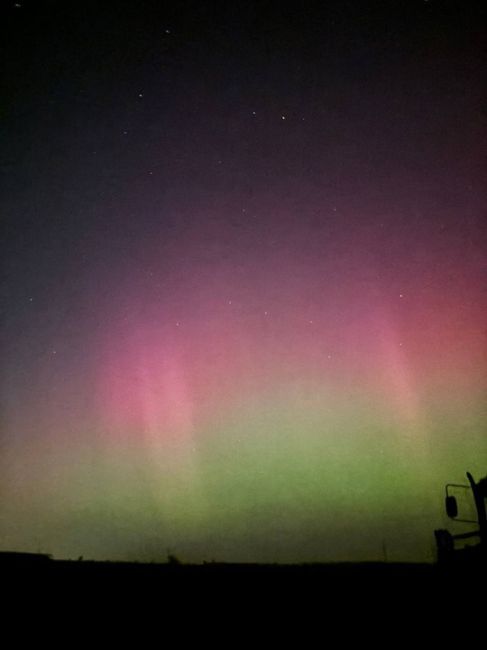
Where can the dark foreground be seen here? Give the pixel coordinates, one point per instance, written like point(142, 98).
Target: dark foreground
point(350, 597)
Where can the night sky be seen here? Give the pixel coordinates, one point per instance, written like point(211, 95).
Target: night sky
point(243, 277)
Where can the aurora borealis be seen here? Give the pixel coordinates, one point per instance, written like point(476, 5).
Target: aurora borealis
point(243, 278)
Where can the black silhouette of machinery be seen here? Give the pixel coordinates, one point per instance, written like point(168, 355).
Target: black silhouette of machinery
point(445, 541)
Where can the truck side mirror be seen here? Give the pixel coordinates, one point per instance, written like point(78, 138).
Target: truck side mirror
point(451, 507)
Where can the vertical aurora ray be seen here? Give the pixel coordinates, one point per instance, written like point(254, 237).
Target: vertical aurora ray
point(143, 388)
